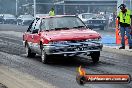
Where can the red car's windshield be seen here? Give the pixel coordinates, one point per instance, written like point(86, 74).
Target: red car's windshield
point(61, 22)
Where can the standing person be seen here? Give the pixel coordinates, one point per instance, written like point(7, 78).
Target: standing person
point(52, 12)
point(125, 22)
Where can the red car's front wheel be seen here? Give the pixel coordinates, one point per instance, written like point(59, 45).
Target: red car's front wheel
point(95, 56)
point(29, 53)
point(44, 56)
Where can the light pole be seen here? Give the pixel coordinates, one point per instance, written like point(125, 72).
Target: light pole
point(16, 7)
point(130, 4)
point(64, 9)
point(34, 8)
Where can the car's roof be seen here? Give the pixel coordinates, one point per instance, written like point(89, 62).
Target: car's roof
point(8, 14)
point(56, 16)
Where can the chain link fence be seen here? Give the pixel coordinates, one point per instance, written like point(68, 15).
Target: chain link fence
point(109, 9)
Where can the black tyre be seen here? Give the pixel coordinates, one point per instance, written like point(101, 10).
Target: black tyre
point(29, 53)
point(44, 56)
point(95, 56)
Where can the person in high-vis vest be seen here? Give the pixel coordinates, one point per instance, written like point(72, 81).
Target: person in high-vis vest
point(52, 12)
point(125, 22)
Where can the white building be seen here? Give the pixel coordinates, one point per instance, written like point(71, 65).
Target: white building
point(79, 6)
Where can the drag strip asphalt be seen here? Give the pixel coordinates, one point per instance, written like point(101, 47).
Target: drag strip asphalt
point(60, 72)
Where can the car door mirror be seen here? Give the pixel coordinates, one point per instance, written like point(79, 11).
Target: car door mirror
point(35, 31)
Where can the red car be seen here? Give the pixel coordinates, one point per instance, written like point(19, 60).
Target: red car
point(61, 35)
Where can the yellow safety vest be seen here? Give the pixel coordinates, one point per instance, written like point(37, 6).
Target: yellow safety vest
point(125, 17)
point(52, 13)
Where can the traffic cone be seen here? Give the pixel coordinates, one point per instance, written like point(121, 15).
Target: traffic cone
point(117, 31)
point(118, 34)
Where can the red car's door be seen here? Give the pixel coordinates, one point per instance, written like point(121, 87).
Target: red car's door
point(36, 36)
point(29, 38)
point(30, 34)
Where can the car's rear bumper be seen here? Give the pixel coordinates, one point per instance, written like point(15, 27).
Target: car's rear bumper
point(95, 25)
point(10, 21)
